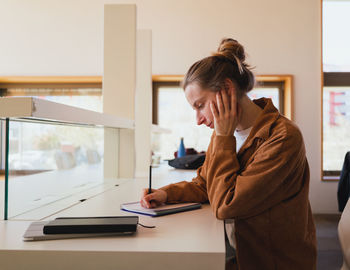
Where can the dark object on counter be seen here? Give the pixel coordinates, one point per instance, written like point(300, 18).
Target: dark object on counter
point(85, 225)
point(344, 183)
point(190, 162)
point(189, 151)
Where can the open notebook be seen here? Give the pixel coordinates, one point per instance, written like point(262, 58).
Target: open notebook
point(135, 207)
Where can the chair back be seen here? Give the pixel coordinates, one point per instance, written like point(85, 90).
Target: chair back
point(344, 236)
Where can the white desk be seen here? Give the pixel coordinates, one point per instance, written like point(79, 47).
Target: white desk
point(188, 240)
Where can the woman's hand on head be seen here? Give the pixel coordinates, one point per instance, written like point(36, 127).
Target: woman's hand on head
point(154, 199)
point(225, 112)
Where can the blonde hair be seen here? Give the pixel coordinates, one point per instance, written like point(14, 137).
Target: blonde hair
point(228, 62)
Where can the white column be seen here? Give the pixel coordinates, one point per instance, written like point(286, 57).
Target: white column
point(119, 84)
point(143, 102)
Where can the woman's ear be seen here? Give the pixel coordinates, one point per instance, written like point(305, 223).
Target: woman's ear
point(228, 85)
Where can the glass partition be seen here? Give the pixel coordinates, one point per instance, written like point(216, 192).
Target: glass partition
point(51, 166)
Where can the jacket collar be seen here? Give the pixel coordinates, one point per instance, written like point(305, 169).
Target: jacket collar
point(267, 118)
point(262, 126)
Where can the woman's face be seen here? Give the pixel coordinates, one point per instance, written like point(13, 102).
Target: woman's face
point(200, 99)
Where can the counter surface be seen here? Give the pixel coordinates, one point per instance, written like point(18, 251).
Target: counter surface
point(187, 240)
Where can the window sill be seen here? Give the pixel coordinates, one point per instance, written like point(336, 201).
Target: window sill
point(330, 177)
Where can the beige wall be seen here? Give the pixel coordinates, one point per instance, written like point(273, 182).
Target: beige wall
point(281, 36)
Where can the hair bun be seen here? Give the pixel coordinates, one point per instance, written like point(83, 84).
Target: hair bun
point(231, 49)
point(228, 62)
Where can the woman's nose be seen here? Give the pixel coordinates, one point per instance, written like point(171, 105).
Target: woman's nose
point(200, 118)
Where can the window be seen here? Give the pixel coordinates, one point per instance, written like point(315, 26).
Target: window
point(171, 111)
point(35, 147)
point(336, 87)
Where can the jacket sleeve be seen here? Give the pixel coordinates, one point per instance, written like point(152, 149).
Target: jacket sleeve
point(195, 191)
point(184, 191)
point(266, 181)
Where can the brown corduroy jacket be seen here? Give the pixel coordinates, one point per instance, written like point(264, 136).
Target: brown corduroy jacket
point(264, 188)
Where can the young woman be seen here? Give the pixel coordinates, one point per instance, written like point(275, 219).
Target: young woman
point(255, 175)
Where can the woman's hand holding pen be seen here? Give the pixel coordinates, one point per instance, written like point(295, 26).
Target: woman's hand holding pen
point(225, 111)
point(154, 199)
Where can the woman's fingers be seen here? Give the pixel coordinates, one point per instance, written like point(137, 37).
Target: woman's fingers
point(146, 198)
point(214, 111)
point(144, 203)
point(153, 204)
point(233, 102)
point(225, 112)
point(151, 200)
point(226, 101)
point(144, 192)
point(219, 102)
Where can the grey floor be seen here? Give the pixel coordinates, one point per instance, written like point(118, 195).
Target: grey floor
point(329, 255)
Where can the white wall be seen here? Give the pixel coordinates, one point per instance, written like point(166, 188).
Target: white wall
point(61, 37)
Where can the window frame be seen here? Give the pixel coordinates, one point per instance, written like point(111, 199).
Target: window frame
point(329, 79)
point(51, 82)
point(333, 79)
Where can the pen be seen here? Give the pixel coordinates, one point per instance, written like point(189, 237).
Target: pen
point(150, 180)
